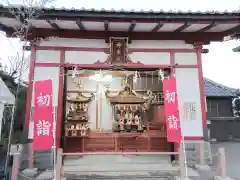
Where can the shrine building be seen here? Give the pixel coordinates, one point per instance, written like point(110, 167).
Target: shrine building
point(107, 68)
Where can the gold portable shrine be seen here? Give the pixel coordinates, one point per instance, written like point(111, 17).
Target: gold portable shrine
point(77, 117)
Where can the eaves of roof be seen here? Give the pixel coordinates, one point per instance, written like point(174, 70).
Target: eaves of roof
point(143, 14)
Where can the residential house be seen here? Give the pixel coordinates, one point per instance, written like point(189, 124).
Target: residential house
point(222, 123)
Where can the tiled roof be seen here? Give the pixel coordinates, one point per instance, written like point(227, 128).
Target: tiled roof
point(237, 49)
point(212, 88)
point(132, 11)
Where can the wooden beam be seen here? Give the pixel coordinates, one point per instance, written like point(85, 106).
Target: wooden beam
point(130, 30)
point(106, 29)
point(187, 36)
point(5, 28)
point(27, 48)
point(206, 42)
point(205, 51)
point(106, 26)
point(210, 26)
point(80, 25)
point(183, 27)
point(132, 26)
point(234, 31)
point(53, 24)
point(158, 27)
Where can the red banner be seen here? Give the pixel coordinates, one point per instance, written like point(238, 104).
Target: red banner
point(43, 115)
point(171, 110)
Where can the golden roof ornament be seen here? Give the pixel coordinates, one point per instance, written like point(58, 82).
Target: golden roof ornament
point(79, 98)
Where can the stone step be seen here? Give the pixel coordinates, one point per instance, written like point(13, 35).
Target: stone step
point(130, 168)
point(120, 170)
point(48, 175)
point(136, 171)
point(120, 177)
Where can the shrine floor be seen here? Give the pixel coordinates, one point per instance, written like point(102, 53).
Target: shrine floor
point(116, 159)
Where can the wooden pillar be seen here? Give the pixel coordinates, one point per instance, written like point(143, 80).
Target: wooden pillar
point(59, 164)
point(96, 99)
point(149, 142)
point(30, 87)
point(202, 153)
point(198, 47)
point(100, 112)
point(60, 102)
point(222, 162)
point(28, 111)
point(16, 164)
point(183, 174)
point(115, 143)
point(30, 156)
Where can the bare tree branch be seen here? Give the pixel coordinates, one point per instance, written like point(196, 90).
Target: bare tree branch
point(24, 14)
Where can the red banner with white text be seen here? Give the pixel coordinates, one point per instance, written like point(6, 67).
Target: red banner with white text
point(43, 115)
point(171, 110)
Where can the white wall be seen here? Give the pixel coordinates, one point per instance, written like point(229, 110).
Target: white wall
point(189, 58)
point(188, 92)
point(100, 43)
point(84, 57)
point(67, 42)
point(49, 56)
point(89, 57)
point(161, 44)
point(151, 57)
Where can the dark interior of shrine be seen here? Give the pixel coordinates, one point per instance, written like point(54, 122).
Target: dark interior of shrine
point(114, 110)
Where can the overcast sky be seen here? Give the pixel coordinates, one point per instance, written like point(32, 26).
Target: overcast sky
point(220, 64)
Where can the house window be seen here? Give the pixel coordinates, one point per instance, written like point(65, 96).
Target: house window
point(219, 108)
